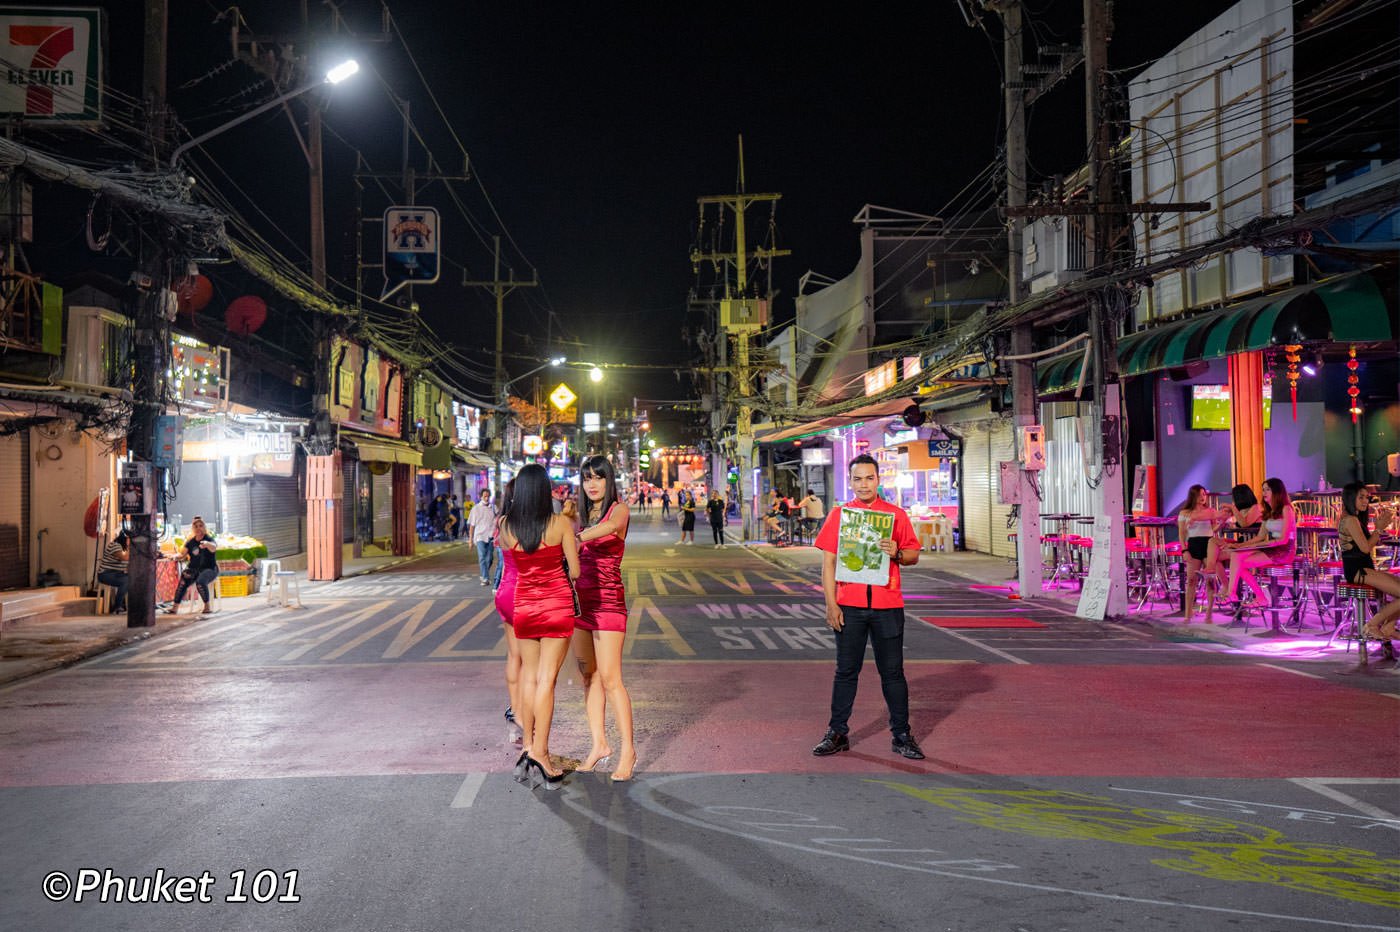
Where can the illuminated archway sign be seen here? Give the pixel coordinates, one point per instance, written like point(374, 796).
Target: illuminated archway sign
point(532, 444)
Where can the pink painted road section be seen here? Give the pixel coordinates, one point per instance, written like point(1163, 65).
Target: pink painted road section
point(107, 725)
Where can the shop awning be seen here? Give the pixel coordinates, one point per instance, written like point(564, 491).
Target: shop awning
point(887, 408)
point(383, 450)
point(472, 458)
point(1348, 308)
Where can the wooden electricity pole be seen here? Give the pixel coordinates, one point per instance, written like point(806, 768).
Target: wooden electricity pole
point(741, 317)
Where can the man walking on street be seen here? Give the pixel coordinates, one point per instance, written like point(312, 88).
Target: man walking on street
point(859, 613)
point(482, 524)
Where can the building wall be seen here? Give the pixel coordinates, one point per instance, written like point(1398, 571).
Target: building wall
point(66, 472)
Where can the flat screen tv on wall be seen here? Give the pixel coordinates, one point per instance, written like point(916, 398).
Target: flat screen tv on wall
point(1210, 408)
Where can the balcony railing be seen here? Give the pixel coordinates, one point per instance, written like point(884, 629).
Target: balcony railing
point(21, 310)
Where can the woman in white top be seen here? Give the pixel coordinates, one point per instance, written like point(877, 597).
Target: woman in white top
point(1242, 509)
point(1196, 524)
point(1277, 534)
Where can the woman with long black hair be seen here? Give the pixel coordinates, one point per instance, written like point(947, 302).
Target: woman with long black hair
point(602, 624)
point(540, 547)
point(1357, 540)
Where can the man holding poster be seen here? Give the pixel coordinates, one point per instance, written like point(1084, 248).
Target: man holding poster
point(864, 543)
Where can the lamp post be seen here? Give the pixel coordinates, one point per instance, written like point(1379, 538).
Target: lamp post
point(503, 408)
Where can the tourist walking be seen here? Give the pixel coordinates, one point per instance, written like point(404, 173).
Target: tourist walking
point(482, 525)
point(686, 503)
point(715, 509)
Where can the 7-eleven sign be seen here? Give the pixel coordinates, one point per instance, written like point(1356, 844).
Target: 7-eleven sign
point(51, 64)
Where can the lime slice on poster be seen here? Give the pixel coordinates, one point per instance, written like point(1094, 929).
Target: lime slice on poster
point(853, 562)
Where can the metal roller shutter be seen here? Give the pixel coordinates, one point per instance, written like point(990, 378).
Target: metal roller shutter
point(984, 448)
point(237, 512)
point(1064, 488)
point(977, 486)
point(277, 514)
point(14, 511)
point(350, 502)
point(1002, 442)
point(383, 503)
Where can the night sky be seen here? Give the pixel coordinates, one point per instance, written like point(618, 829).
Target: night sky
point(593, 130)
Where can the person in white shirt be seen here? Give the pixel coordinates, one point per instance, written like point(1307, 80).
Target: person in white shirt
point(482, 524)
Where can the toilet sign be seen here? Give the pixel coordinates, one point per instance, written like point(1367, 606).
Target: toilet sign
point(411, 247)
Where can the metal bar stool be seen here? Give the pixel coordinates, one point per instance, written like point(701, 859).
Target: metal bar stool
point(1358, 595)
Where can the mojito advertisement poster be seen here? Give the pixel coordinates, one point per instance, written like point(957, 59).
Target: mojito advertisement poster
point(859, 558)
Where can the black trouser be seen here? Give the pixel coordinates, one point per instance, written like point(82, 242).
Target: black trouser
point(118, 581)
point(884, 628)
point(718, 531)
point(200, 582)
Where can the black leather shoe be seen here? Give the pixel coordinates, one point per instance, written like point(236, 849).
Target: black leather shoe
point(833, 742)
point(906, 746)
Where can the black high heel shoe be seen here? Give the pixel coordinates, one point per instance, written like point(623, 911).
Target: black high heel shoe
point(538, 776)
point(522, 767)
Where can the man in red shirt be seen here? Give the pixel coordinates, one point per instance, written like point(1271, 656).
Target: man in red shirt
point(859, 612)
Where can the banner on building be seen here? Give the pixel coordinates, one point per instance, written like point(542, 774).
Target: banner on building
point(410, 247)
point(53, 65)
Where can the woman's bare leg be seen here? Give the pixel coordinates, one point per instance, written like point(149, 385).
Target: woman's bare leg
point(607, 648)
point(529, 675)
point(550, 657)
point(594, 698)
point(1193, 570)
point(513, 671)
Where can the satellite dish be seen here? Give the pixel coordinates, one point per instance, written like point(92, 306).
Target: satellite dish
point(246, 314)
point(913, 416)
point(193, 294)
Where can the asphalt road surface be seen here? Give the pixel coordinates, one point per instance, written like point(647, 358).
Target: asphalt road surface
point(346, 766)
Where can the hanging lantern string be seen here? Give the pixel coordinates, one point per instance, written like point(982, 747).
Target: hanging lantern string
point(1353, 387)
point(1292, 353)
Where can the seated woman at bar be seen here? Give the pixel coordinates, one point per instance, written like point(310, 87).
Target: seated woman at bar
point(1275, 544)
point(1243, 510)
point(1357, 543)
point(1196, 524)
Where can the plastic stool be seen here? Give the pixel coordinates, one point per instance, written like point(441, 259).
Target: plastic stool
point(266, 569)
point(284, 599)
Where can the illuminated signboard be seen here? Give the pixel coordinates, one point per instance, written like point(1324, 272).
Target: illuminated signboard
point(880, 378)
point(466, 424)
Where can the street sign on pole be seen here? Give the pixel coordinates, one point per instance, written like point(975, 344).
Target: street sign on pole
point(411, 247)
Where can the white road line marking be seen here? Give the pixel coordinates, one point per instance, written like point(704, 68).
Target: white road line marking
point(1322, 789)
point(466, 793)
point(987, 647)
point(1274, 666)
point(1259, 805)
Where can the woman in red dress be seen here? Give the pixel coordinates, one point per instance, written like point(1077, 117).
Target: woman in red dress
point(601, 627)
point(541, 548)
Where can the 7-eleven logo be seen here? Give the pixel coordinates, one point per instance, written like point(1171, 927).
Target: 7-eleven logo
point(47, 46)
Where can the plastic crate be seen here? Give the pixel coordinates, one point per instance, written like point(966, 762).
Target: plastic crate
point(234, 566)
point(235, 587)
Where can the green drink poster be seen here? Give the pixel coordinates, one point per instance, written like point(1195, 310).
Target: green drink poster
point(859, 558)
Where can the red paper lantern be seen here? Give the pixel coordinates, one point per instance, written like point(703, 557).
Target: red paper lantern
point(1352, 384)
point(193, 294)
point(1292, 353)
point(246, 314)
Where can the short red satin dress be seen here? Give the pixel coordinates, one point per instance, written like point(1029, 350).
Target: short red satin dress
point(542, 606)
point(505, 592)
point(600, 591)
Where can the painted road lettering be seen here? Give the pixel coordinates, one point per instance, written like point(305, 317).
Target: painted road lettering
point(743, 638)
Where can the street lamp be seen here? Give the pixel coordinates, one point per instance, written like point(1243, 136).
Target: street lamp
point(554, 361)
point(337, 74)
point(595, 374)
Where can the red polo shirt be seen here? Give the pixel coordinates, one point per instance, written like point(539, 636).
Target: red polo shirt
point(859, 595)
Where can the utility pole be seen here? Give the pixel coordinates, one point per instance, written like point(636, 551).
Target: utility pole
point(1103, 224)
point(742, 317)
point(1030, 570)
point(150, 355)
point(501, 288)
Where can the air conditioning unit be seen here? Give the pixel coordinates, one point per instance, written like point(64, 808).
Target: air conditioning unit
point(429, 436)
point(1054, 253)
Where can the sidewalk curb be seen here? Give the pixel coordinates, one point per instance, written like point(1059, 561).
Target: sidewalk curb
point(131, 636)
